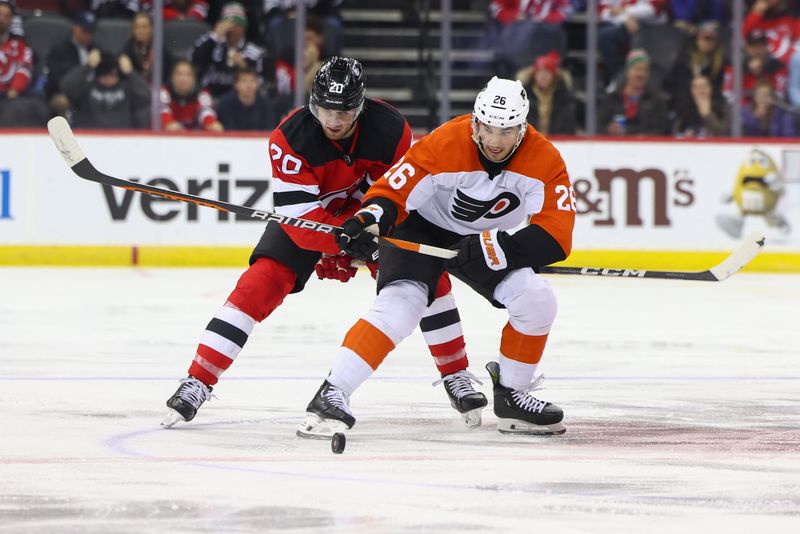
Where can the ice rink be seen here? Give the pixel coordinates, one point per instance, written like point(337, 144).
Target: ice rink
point(681, 401)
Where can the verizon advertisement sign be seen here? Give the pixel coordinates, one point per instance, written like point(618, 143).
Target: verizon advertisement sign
point(629, 195)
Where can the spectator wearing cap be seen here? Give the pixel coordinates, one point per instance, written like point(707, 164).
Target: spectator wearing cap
point(765, 115)
point(107, 93)
point(16, 66)
point(245, 108)
point(779, 27)
point(758, 65)
point(619, 21)
point(704, 55)
point(220, 52)
point(633, 108)
point(552, 105)
point(72, 53)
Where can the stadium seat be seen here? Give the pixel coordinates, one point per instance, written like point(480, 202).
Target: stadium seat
point(45, 31)
point(280, 42)
point(180, 36)
point(664, 44)
point(112, 34)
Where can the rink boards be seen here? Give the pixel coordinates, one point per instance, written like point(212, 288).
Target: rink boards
point(641, 203)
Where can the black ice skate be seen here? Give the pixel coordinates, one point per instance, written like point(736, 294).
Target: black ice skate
point(188, 398)
point(518, 412)
point(327, 413)
point(463, 396)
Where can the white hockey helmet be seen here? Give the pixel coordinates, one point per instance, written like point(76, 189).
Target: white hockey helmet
point(502, 104)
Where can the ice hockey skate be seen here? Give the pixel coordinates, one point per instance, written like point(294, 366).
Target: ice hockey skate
point(327, 413)
point(519, 412)
point(188, 398)
point(463, 397)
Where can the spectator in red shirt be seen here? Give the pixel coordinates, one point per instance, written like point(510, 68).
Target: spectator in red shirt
point(772, 18)
point(758, 65)
point(16, 58)
point(16, 65)
point(183, 106)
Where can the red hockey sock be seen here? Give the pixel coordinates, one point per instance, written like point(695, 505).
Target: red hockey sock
point(258, 292)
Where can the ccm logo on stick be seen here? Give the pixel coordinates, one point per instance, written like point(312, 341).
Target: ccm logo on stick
point(613, 272)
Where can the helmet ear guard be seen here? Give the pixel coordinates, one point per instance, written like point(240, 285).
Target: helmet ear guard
point(501, 104)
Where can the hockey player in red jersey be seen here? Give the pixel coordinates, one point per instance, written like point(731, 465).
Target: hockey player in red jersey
point(463, 186)
point(324, 157)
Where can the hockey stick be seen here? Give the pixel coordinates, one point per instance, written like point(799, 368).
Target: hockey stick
point(68, 146)
point(740, 257)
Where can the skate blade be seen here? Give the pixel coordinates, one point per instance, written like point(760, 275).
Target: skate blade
point(172, 418)
point(515, 426)
point(315, 427)
point(472, 418)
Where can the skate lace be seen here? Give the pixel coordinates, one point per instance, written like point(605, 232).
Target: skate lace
point(459, 383)
point(337, 398)
point(529, 402)
point(194, 391)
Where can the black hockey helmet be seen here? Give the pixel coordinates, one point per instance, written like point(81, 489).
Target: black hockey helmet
point(339, 85)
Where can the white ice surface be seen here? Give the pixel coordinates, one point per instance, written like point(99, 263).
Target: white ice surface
point(681, 400)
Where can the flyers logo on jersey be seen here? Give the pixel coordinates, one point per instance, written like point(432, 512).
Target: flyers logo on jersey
point(466, 208)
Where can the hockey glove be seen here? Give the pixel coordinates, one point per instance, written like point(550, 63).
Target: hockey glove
point(339, 267)
point(481, 258)
point(357, 237)
point(373, 270)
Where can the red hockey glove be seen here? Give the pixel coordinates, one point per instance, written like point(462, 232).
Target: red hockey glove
point(336, 268)
point(373, 270)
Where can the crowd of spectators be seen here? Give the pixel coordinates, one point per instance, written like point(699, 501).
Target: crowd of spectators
point(664, 65)
point(238, 75)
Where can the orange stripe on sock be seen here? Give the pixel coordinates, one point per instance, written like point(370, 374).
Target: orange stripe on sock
point(520, 347)
point(368, 342)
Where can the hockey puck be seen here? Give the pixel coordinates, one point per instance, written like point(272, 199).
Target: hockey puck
point(337, 443)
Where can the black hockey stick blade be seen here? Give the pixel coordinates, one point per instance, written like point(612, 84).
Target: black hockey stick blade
point(740, 257)
point(70, 150)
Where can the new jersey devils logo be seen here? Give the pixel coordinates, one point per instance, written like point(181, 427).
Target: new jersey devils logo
point(466, 208)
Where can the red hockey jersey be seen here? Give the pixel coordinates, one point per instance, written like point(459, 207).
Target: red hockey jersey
point(321, 180)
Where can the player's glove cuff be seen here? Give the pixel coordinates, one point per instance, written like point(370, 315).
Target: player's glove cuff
point(481, 258)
